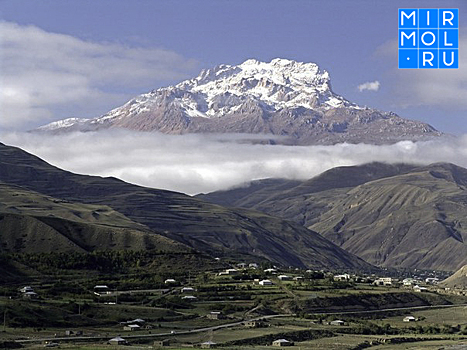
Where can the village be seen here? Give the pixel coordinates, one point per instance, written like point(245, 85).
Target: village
point(245, 305)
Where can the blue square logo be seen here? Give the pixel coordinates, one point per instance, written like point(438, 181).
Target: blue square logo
point(408, 38)
point(448, 58)
point(428, 18)
point(448, 38)
point(428, 59)
point(408, 58)
point(428, 38)
point(448, 18)
point(408, 18)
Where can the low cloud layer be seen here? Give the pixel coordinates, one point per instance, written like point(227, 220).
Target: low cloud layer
point(369, 85)
point(46, 76)
point(200, 163)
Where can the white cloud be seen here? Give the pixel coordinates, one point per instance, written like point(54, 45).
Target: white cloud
point(369, 85)
point(45, 73)
point(202, 163)
point(445, 88)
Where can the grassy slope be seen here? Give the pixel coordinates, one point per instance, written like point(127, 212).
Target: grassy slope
point(414, 220)
point(390, 215)
point(34, 223)
point(457, 280)
point(202, 225)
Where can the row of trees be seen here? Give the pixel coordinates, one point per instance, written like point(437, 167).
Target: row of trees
point(105, 261)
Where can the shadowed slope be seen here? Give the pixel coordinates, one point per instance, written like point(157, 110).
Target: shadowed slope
point(204, 226)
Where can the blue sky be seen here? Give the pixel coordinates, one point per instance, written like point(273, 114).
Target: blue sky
point(81, 58)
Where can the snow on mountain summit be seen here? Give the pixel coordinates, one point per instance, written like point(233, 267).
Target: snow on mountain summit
point(290, 99)
point(223, 90)
point(280, 83)
point(215, 92)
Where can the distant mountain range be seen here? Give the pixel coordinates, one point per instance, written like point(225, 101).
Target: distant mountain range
point(46, 209)
point(400, 215)
point(389, 215)
point(290, 100)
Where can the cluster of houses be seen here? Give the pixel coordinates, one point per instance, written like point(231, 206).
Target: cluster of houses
point(415, 283)
point(377, 281)
point(205, 345)
point(189, 291)
point(455, 291)
point(268, 282)
point(410, 283)
point(278, 342)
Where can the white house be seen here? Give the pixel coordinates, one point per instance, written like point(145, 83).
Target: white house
point(282, 342)
point(30, 295)
point(270, 270)
point(207, 345)
point(101, 289)
point(337, 323)
point(432, 280)
point(188, 290)
point(215, 315)
point(136, 321)
point(344, 277)
point(265, 283)
point(131, 327)
point(419, 289)
point(170, 281)
point(409, 319)
point(384, 281)
point(26, 289)
point(117, 341)
point(284, 277)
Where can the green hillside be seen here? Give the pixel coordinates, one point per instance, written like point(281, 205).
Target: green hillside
point(207, 227)
point(389, 215)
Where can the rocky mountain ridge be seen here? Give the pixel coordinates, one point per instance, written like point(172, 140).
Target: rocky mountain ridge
point(291, 101)
point(391, 215)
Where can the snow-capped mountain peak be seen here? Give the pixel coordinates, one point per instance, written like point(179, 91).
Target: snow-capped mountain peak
point(278, 84)
point(64, 123)
point(224, 89)
point(283, 97)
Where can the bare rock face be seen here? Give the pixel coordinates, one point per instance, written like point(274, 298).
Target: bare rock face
point(283, 97)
